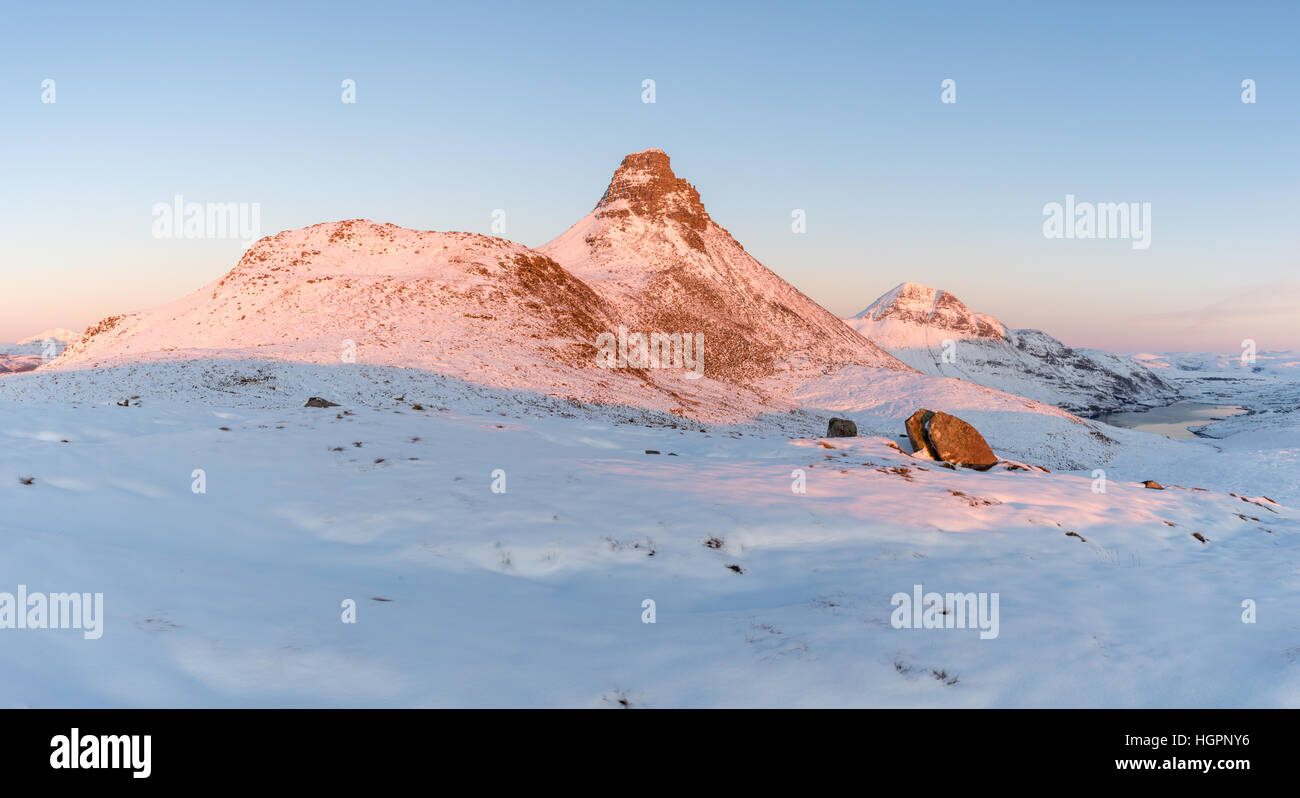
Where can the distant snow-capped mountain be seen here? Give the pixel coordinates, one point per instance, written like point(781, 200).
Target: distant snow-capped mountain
point(1261, 382)
point(35, 350)
point(61, 335)
point(934, 332)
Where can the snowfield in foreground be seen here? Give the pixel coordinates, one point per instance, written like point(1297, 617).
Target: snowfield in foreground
point(534, 597)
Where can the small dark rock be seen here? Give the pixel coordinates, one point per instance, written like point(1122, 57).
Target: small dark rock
point(841, 428)
point(316, 401)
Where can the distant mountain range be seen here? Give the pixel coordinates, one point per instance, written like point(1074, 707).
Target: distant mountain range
point(932, 331)
point(1267, 381)
point(60, 335)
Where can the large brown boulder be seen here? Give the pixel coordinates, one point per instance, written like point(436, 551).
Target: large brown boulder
point(949, 439)
point(959, 443)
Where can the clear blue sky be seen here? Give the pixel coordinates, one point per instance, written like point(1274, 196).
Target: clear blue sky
point(834, 108)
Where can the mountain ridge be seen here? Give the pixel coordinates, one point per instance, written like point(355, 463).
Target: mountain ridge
point(936, 333)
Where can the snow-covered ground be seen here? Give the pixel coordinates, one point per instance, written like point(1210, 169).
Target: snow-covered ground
point(534, 597)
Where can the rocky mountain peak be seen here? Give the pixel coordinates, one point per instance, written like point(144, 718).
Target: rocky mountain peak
point(644, 185)
point(917, 304)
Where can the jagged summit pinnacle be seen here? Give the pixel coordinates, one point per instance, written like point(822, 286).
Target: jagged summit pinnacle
point(653, 160)
point(644, 185)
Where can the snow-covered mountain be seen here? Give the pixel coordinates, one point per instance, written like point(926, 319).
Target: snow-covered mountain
point(647, 259)
point(653, 251)
point(360, 292)
point(934, 332)
point(61, 335)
